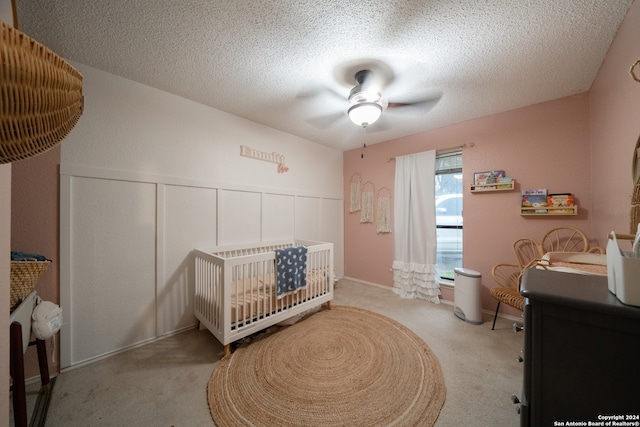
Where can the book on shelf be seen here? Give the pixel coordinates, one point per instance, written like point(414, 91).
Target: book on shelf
point(535, 198)
point(563, 201)
point(505, 182)
point(495, 183)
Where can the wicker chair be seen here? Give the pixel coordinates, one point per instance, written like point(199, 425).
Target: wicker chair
point(564, 239)
point(507, 276)
point(526, 250)
point(527, 253)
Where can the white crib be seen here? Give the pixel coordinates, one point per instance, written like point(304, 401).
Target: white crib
point(235, 287)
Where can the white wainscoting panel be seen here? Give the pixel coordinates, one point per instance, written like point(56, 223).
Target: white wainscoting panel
point(126, 242)
point(332, 230)
point(113, 267)
point(278, 219)
point(239, 214)
point(308, 218)
point(187, 219)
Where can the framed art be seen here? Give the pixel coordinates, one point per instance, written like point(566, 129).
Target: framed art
point(488, 177)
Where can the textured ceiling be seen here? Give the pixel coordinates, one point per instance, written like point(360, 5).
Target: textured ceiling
point(289, 64)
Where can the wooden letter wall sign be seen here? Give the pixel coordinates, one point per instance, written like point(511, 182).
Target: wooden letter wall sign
point(272, 157)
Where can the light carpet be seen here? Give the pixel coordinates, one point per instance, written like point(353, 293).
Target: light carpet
point(338, 367)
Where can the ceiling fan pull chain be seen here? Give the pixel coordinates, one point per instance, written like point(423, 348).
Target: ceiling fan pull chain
point(364, 140)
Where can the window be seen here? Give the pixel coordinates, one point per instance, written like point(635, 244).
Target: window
point(448, 205)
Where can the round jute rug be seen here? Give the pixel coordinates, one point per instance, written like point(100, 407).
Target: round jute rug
point(340, 367)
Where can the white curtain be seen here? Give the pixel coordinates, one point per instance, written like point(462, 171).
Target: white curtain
point(414, 265)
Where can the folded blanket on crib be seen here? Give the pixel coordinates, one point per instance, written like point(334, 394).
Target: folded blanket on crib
point(292, 269)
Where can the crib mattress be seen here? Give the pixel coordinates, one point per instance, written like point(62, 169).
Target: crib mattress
point(255, 297)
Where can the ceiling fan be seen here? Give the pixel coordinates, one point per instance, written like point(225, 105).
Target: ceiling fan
point(366, 102)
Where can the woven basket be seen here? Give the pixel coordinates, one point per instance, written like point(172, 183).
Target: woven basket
point(635, 208)
point(635, 197)
point(24, 276)
point(41, 96)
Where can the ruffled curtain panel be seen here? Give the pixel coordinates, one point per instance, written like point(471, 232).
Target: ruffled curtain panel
point(414, 265)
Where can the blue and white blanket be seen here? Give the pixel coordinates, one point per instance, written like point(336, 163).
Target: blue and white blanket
point(292, 270)
point(23, 256)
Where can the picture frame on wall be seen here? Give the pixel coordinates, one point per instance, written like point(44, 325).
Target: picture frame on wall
point(487, 177)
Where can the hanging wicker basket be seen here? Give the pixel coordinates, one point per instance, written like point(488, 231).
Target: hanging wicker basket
point(635, 208)
point(41, 96)
point(635, 197)
point(24, 276)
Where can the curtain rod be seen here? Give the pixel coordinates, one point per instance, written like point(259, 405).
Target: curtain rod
point(446, 150)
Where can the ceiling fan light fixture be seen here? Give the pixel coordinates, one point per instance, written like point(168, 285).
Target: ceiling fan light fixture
point(365, 113)
point(358, 95)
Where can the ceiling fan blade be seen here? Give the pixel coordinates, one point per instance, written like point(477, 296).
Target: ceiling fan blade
point(425, 103)
point(320, 91)
point(326, 121)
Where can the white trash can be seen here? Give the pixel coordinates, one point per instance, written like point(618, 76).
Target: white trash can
point(466, 295)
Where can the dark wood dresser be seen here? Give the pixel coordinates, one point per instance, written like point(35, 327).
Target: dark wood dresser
point(581, 352)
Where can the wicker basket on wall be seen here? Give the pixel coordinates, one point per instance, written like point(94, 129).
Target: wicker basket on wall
point(41, 96)
point(635, 197)
point(635, 208)
point(24, 276)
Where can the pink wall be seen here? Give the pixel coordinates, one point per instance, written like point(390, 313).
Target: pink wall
point(34, 228)
point(581, 144)
point(615, 126)
point(541, 146)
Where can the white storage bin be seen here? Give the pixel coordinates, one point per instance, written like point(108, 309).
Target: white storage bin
point(623, 271)
point(466, 295)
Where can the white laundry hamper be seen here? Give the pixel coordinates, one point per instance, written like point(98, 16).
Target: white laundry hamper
point(466, 295)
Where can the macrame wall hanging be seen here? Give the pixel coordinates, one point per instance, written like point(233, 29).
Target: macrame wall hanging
point(384, 211)
point(362, 200)
point(366, 214)
point(354, 193)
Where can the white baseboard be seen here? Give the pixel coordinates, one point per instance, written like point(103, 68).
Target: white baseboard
point(443, 301)
point(364, 282)
point(125, 349)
